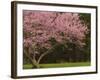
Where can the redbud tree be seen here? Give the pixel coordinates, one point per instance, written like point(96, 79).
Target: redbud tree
point(41, 27)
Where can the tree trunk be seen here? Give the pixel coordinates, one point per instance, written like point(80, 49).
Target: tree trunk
point(33, 61)
point(35, 64)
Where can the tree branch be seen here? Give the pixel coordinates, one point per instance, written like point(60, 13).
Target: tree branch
point(50, 50)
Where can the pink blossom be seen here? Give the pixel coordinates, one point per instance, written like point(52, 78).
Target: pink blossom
point(42, 26)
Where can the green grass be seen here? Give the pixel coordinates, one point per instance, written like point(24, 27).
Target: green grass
point(56, 65)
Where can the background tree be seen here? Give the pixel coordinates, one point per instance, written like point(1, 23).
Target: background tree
point(45, 31)
point(86, 18)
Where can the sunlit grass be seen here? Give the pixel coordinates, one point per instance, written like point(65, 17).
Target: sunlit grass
point(55, 65)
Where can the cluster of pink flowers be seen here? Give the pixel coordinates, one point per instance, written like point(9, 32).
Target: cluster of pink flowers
point(41, 26)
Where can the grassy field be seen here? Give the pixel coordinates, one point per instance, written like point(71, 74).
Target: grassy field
point(56, 65)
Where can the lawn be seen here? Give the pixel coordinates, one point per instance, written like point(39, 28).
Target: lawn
point(55, 65)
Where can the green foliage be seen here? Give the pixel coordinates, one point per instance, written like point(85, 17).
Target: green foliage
point(87, 19)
